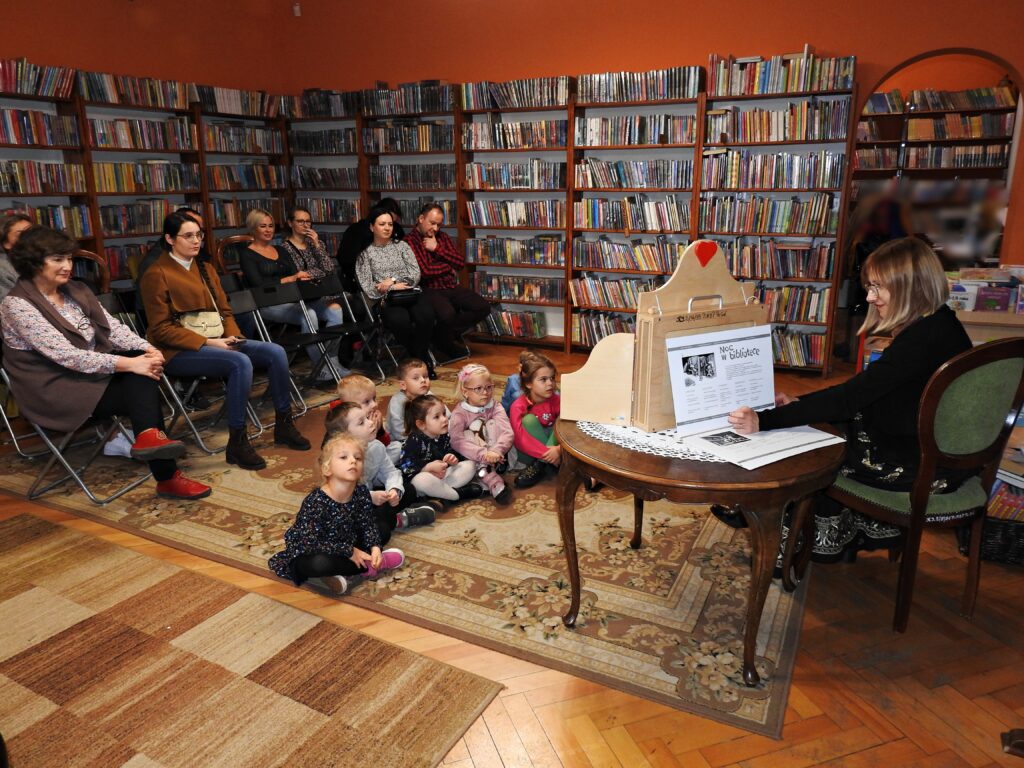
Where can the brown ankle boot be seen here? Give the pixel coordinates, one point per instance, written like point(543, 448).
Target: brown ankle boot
point(285, 433)
point(241, 452)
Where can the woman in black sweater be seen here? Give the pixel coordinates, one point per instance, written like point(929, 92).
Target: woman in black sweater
point(907, 292)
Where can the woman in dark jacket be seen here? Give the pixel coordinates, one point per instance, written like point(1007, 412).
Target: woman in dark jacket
point(68, 359)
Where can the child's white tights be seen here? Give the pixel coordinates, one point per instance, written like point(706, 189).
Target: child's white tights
point(455, 477)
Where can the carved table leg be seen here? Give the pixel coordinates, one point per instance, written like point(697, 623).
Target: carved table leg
point(793, 564)
point(638, 522)
point(765, 536)
point(567, 483)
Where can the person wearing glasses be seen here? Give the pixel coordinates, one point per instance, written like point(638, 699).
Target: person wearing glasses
point(69, 360)
point(264, 263)
point(906, 294)
point(177, 284)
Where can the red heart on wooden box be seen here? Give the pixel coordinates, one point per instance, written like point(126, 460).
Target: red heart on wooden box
point(705, 250)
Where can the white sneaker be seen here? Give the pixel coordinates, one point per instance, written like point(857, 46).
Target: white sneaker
point(119, 445)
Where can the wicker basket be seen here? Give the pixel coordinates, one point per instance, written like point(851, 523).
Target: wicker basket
point(1002, 541)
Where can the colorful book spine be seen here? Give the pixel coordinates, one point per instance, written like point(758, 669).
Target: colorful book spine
point(30, 177)
point(636, 174)
point(232, 213)
point(312, 177)
point(409, 137)
point(242, 139)
point(177, 133)
point(635, 213)
point(334, 141)
point(600, 292)
point(737, 214)
point(805, 120)
point(538, 134)
point(529, 174)
point(661, 256)
point(516, 94)
point(734, 169)
point(635, 130)
point(139, 217)
point(531, 290)
point(409, 98)
point(29, 126)
point(528, 325)
point(537, 251)
point(72, 219)
point(543, 214)
point(399, 177)
point(247, 176)
point(331, 210)
point(589, 327)
point(676, 83)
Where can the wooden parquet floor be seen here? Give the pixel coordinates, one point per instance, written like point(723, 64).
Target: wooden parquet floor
point(862, 696)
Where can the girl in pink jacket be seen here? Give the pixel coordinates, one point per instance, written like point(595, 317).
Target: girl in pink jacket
point(480, 430)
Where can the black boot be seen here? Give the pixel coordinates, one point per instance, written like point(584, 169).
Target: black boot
point(470, 491)
point(285, 433)
point(532, 475)
point(241, 452)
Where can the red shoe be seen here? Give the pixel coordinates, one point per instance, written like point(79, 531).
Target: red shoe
point(180, 487)
point(154, 444)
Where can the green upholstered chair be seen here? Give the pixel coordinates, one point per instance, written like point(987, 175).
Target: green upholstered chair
point(967, 413)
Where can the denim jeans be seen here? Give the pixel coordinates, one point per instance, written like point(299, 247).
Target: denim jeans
point(319, 312)
point(236, 365)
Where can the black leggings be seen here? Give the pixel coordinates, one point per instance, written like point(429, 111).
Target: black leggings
point(412, 326)
point(138, 398)
point(319, 564)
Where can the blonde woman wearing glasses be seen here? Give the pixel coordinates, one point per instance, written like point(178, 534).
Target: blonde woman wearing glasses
point(907, 294)
point(68, 359)
point(177, 284)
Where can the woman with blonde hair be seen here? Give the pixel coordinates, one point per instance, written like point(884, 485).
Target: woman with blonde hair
point(906, 292)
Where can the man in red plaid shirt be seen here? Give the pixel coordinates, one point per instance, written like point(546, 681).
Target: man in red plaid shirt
point(458, 309)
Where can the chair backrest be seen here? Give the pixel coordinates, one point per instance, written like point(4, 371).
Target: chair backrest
point(231, 282)
point(328, 285)
point(102, 269)
point(223, 245)
point(269, 294)
point(241, 301)
point(968, 410)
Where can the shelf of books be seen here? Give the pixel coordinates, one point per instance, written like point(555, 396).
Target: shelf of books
point(42, 169)
point(325, 145)
point(513, 140)
point(633, 154)
point(244, 153)
point(774, 178)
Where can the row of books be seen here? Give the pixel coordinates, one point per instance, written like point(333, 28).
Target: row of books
point(792, 73)
point(543, 214)
point(30, 126)
point(972, 98)
point(409, 98)
point(798, 349)
point(806, 120)
point(867, 130)
point(138, 91)
point(732, 213)
point(957, 126)
point(589, 327)
point(602, 292)
point(496, 135)
point(146, 176)
point(516, 94)
point(30, 177)
point(235, 137)
point(528, 174)
point(119, 256)
point(409, 137)
point(768, 259)
point(428, 176)
point(542, 290)
point(660, 256)
point(542, 250)
point(795, 303)
point(232, 212)
point(335, 141)
point(882, 103)
point(635, 130)
point(233, 101)
point(730, 169)
point(968, 156)
point(177, 133)
point(633, 214)
point(877, 158)
point(73, 219)
point(652, 85)
point(529, 325)
point(619, 174)
point(22, 76)
point(241, 176)
point(139, 217)
point(411, 208)
point(331, 210)
point(311, 177)
point(318, 102)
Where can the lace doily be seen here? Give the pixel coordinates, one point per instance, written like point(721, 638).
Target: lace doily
point(665, 443)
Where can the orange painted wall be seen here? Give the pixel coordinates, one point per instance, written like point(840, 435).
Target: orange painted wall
point(952, 72)
point(259, 44)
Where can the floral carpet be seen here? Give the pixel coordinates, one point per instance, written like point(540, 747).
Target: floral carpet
point(664, 622)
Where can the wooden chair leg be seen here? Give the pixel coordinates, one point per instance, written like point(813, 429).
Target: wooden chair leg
point(973, 566)
point(905, 587)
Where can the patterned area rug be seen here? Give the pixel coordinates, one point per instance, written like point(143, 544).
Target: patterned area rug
point(108, 657)
point(663, 622)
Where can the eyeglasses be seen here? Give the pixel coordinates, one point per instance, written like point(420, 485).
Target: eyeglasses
point(83, 320)
point(193, 237)
point(481, 390)
point(874, 288)
point(302, 221)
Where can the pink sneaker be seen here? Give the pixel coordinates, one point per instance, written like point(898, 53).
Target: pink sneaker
point(389, 560)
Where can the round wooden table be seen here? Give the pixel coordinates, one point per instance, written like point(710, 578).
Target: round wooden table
point(762, 495)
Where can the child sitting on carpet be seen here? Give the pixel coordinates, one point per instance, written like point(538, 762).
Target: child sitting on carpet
point(358, 389)
point(413, 381)
point(387, 485)
point(337, 535)
point(480, 430)
point(533, 417)
point(427, 458)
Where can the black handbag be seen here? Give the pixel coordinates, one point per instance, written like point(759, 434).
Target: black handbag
point(404, 297)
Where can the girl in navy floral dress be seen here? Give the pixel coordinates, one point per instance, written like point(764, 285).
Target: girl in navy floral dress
point(428, 460)
point(336, 534)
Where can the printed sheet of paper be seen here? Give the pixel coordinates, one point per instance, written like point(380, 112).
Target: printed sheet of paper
point(716, 372)
point(760, 448)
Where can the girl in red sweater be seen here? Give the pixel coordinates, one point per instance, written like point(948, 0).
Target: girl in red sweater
point(533, 417)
